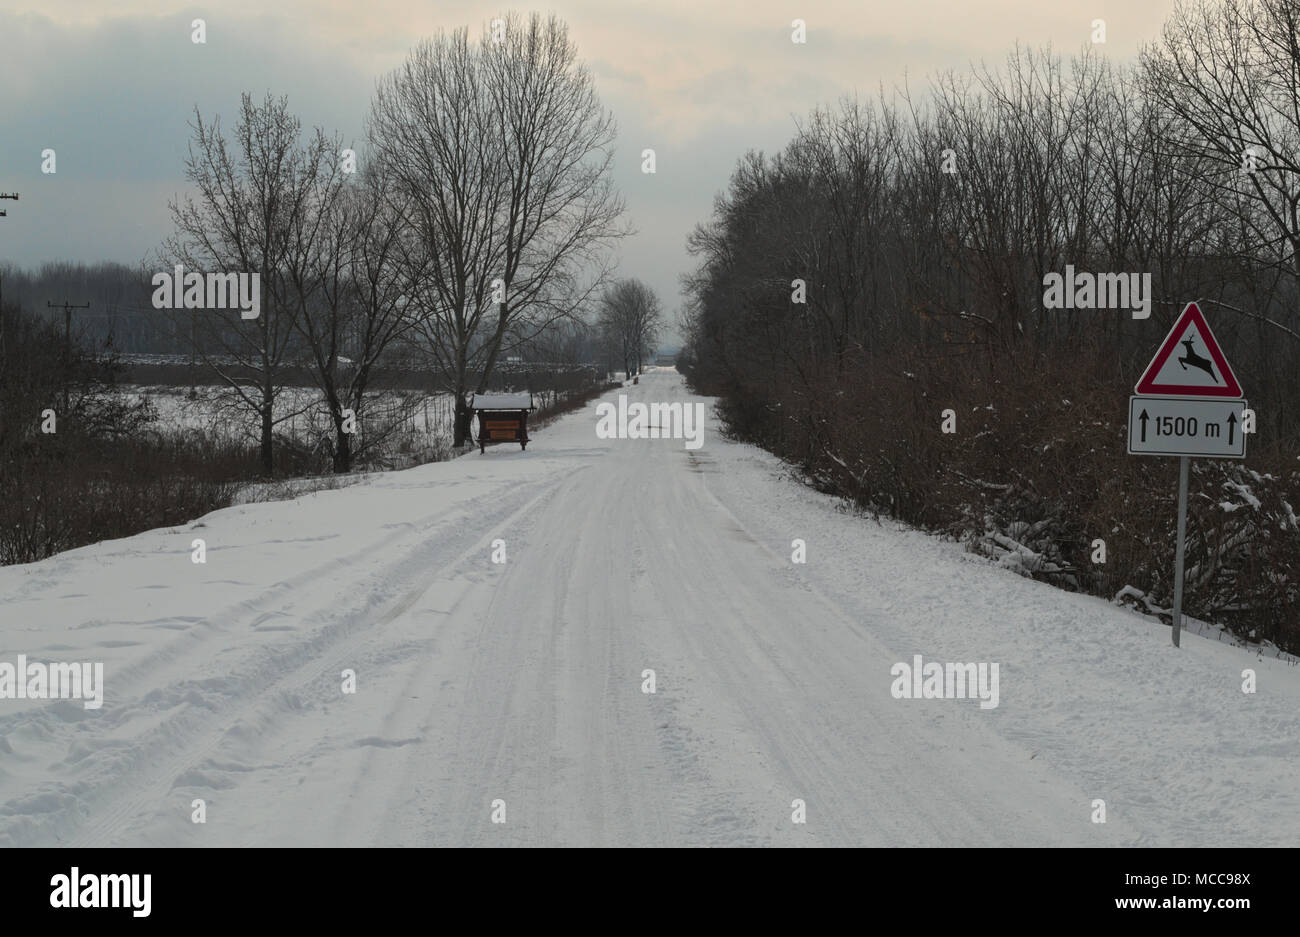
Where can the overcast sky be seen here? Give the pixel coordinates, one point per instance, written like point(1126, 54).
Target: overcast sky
point(111, 86)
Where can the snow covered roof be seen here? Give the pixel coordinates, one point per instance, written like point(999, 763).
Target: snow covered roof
point(501, 402)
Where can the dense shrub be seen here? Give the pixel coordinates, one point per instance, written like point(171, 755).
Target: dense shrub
point(1036, 472)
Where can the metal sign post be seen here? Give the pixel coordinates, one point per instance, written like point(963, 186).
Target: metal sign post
point(1184, 463)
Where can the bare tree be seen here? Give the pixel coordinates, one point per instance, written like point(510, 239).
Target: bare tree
point(256, 205)
point(561, 211)
point(430, 130)
point(1230, 73)
point(359, 310)
point(502, 153)
point(629, 322)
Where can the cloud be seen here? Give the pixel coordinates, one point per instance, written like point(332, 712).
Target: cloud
point(114, 100)
point(112, 87)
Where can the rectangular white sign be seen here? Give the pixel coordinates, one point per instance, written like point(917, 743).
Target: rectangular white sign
point(1191, 426)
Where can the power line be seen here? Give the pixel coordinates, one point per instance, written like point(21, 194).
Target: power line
point(8, 195)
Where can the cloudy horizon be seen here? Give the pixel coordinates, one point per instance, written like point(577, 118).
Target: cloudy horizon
point(113, 92)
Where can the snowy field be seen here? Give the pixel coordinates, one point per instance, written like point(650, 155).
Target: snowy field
point(301, 410)
point(515, 689)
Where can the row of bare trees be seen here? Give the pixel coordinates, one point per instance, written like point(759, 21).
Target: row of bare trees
point(890, 263)
point(629, 323)
point(478, 218)
point(931, 223)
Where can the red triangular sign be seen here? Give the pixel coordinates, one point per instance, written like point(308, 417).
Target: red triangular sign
point(1189, 362)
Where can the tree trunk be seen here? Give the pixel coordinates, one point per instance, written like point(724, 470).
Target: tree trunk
point(268, 466)
point(461, 432)
point(342, 450)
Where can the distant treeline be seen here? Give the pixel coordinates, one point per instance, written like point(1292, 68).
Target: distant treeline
point(122, 322)
point(118, 295)
point(535, 378)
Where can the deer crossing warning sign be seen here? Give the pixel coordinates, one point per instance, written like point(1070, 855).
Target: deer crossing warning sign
point(1189, 363)
point(1188, 401)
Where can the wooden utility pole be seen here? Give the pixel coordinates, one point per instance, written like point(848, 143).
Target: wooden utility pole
point(67, 343)
point(14, 197)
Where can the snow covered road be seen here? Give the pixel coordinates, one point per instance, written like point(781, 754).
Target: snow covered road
point(515, 690)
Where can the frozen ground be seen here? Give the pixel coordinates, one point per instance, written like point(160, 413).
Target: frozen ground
point(300, 411)
point(522, 682)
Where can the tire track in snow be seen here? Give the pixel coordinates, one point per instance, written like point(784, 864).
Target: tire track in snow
point(273, 675)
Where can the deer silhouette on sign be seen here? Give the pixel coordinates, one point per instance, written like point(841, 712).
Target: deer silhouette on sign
point(1196, 361)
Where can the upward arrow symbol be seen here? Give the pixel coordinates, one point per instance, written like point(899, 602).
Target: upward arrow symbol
point(1143, 420)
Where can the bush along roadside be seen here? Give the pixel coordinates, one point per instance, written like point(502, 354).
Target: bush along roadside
point(1034, 476)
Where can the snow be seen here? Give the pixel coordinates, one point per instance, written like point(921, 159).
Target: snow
point(522, 681)
point(1245, 494)
point(300, 411)
point(502, 402)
